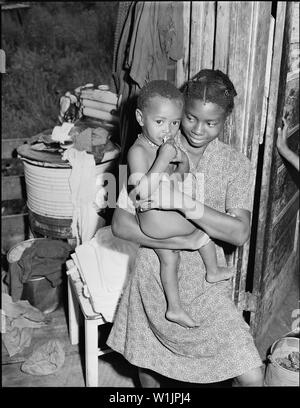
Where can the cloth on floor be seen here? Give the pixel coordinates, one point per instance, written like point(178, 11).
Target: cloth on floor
point(16, 340)
point(18, 320)
point(22, 308)
point(45, 359)
point(83, 186)
point(43, 258)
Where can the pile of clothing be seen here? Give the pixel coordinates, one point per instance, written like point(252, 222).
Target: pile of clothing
point(44, 258)
point(100, 103)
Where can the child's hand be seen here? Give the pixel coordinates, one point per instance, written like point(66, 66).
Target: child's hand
point(281, 143)
point(169, 150)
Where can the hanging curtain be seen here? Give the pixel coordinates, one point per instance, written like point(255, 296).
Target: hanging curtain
point(147, 35)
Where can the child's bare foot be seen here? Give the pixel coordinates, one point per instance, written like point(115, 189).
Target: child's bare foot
point(221, 274)
point(181, 317)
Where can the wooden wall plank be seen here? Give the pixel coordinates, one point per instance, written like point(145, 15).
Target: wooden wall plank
point(275, 293)
point(183, 65)
point(202, 35)
point(282, 240)
point(240, 23)
point(222, 38)
point(249, 35)
point(267, 80)
point(241, 50)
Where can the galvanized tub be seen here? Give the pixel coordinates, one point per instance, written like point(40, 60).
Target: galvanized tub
point(276, 375)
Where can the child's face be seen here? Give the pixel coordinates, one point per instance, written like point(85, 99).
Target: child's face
point(202, 123)
point(160, 119)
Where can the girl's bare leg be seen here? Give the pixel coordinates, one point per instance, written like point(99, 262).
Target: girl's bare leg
point(214, 273)
point(252, 378)
point(168, 272)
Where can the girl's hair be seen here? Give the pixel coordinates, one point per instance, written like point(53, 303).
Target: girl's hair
point(211, 85)
point(158, 87)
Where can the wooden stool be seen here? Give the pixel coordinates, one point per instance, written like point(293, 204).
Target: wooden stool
point(77, 302)
point(117, 257)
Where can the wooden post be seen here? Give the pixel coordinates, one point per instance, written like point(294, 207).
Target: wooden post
point(73, 314)
point(91, 352)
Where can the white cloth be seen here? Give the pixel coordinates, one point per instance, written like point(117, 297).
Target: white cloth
point(61, 133)
point(82, 182)
point(104, 263)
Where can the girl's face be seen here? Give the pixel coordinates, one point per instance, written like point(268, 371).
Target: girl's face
point(202, 123)
point(160, 119)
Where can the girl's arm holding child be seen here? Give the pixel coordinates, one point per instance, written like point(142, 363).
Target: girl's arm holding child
point(124, 225)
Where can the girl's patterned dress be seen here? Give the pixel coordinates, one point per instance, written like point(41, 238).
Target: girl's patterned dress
point(222, 346)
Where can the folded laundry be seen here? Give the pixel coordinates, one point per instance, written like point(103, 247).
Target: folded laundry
point(106, 107)
point(99, 114)
point(45, 359)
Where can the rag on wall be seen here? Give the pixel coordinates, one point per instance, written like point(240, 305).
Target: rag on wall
point(150, 33)
point(83, 188)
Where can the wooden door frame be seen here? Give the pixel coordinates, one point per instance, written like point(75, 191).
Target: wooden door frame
point(278, 81)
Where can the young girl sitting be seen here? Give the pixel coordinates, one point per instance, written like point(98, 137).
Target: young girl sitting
point(154, 154)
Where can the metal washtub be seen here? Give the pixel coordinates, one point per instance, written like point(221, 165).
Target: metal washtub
point(48, 191)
